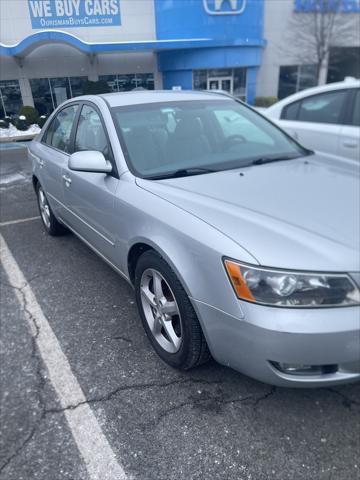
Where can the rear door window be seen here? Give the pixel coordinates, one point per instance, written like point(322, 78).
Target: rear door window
point(323, 108)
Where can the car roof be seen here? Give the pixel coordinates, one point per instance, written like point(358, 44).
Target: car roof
point(348, 83)
point(137, 97)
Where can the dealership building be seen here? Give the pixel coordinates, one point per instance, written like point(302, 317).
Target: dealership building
point(51, 49)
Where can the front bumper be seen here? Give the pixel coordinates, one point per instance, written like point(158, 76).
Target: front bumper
point(264, 335)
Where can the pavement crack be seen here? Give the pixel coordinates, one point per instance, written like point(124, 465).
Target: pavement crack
point(21, 288)
point(34, 334)
point(265, 396)
point(27, 440)
point(215, 402)
point(211, 403)
point(124, 339)
point(346, 401)
point(140, 386)
point(10, 285)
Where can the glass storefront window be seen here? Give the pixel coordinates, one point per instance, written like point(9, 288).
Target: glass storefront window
point(144, 80)
point(287, 81)
point(240, 83)
point(60, 88)
point(49, 93)
point(219, 72)
point(127, 82)
point(293, 78)
point(10, 98)
point(307, 76)
point(232, 80)
point(112, 82)
point(200, 79)
point(343, 62)
point(77, 85)
point(42, 95)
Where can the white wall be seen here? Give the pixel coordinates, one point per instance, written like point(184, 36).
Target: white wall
point(65, 61)
point(282, 48)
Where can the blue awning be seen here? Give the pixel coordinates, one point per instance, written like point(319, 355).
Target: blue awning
point(47, 37)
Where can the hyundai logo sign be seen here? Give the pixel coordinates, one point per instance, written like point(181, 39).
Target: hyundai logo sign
point(224, 7)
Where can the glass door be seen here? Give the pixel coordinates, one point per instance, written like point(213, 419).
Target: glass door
point(213, 84)
point(227, 85)
point(220, 83)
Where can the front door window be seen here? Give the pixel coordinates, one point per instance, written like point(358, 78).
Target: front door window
point(58, 135)
point(90, 134)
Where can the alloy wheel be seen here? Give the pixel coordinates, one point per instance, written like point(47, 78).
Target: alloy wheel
point(44, 207)
point(161, 310)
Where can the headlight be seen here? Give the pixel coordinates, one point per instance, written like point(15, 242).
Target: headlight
point(282, 288)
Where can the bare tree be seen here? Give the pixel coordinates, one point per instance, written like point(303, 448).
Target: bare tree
point(314, 33)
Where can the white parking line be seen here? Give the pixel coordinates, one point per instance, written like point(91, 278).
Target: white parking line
point(98, 456)
point(10, 178)
point(21, 220)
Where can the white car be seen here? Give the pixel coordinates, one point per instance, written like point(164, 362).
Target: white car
point(325, 118)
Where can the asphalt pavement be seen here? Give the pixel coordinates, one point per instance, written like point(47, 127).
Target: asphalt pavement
point(153, 422)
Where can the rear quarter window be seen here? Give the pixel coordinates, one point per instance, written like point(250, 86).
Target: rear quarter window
point(327, 107)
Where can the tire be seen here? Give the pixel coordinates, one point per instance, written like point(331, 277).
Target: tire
point(169, 319)
point(49, 221)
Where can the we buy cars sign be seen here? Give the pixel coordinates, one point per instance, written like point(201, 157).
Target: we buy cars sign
point(74, 13)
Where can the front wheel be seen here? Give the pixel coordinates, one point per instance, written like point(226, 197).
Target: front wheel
point(167, 314)
point(51, 225)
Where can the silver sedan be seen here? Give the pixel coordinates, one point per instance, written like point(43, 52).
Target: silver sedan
point(239, 242)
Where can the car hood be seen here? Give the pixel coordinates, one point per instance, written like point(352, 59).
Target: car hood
point(301, 213)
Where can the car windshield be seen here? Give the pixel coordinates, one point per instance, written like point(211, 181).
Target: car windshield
point(194, 137)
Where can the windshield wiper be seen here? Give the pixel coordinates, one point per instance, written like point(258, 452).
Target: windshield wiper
point(263, 160)
point(183, 172)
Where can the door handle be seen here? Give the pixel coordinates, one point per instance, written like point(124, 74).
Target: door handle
point(37, 159)
point(67, 180)
point(350, 144)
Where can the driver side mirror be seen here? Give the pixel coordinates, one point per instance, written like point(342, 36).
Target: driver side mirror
point(89, 161)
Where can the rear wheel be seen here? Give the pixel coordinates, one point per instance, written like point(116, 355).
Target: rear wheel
point(167, 314)
point(51, 225)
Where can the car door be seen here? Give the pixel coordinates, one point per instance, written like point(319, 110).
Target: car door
point(315, 121)
point(89, 196)
point(52, 154)
point(349, 141)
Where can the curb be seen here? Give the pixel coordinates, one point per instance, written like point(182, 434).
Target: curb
point(18, 138)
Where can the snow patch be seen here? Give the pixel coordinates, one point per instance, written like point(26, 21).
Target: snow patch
point(12, 131)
